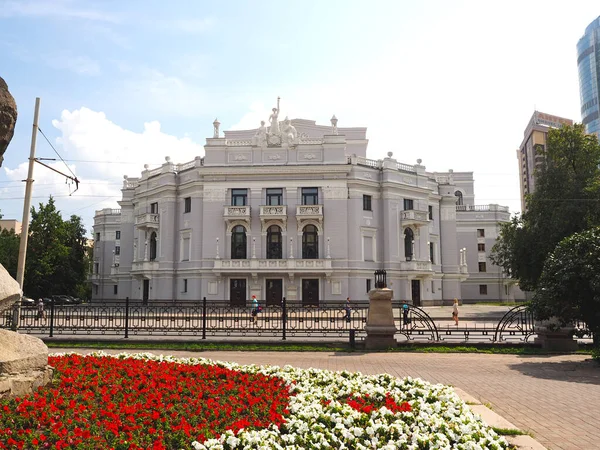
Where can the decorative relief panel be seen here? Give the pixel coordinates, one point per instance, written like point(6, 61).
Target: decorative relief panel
point(212, 288)
point(240, 157)
point(215, 194)
point(314, 155)
point(335, 193)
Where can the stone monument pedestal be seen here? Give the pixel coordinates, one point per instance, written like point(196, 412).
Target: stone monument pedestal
point(554, 339)
point(380, 321)
point(23, 359)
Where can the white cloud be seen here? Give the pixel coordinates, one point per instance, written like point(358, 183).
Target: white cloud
point(99, 152)
point(191, 26)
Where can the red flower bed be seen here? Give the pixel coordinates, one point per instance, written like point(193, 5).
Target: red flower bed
point(367, 404)
point(103, 402)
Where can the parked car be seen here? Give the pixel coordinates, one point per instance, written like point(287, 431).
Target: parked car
point(61, 300)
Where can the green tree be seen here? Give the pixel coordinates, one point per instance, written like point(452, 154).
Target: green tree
point(569, 287)
point(55, 253)
point(566, 200)
point(9, 251)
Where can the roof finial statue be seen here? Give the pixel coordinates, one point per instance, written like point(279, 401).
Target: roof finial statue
point(216, 125)
point(8, 118)
point(274, 120)
point(334, 122)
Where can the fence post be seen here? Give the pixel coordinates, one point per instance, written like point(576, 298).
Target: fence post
point(203, 317)
point(51, 316)
point(126, 317)
point(284, 317)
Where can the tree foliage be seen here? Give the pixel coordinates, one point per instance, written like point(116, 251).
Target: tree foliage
point(569, 287)
point(56, 254)
point(9, 251)
point(566, 200)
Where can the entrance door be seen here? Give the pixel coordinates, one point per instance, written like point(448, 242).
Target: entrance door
point(274, 292)
point(146, 292)
point(310, 292)
point(416, 292)
point(237, 292)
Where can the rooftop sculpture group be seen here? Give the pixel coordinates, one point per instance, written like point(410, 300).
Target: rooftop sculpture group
point(279, 134)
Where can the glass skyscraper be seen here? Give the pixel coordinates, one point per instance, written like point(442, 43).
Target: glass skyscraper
point(588, 63)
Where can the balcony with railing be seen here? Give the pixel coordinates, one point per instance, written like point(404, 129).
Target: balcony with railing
point(416, 266)
point(481, 208)
point(236, 212)
point(309, 212)
point(143, 267)
point(269, 212)
point(413, 217)
point(256, 265)
point(146, 220)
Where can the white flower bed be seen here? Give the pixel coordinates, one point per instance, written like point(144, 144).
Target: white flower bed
point(438, 419)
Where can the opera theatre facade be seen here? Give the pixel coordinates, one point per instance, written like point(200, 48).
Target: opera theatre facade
point(294, 209)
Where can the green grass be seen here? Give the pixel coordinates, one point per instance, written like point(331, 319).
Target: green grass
point(292, 347)
point(509, 431)
point(197, 346)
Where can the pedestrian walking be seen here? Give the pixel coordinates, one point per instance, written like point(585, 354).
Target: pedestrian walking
point(348, 309)
point(41, 314)
point(455, 311)
point(255, 309)
point(405, 318)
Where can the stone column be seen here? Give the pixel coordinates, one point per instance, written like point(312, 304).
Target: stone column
point(380, 321)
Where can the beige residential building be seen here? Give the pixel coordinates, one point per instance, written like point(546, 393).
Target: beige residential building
point(530, 153)
point(10, 224)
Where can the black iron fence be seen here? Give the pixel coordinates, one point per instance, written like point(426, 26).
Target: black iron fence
point(207, 319)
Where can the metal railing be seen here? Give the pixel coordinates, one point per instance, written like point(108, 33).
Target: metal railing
point(208, 319)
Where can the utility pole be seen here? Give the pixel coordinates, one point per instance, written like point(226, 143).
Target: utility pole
point(26, 207)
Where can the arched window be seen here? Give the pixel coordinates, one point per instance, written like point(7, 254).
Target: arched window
point(310, 242)
point(459, 197)
point(274, 247)
point(409, 238)
point(153, 246)
point(238, 242)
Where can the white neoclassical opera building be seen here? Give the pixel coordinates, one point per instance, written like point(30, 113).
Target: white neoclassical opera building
point(294, 209)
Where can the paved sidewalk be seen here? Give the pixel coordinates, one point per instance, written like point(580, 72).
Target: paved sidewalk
point(557, 398)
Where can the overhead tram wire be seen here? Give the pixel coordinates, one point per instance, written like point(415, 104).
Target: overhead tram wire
point(39, 160)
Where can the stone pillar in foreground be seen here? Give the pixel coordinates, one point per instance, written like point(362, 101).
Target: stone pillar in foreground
point(380, 321)
point(554, 338)
point(23, 359)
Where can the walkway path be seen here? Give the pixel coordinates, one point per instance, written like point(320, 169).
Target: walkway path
point(557, 398)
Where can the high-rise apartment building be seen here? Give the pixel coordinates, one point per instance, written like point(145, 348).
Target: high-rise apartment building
point(530, 153)
point(588, 63)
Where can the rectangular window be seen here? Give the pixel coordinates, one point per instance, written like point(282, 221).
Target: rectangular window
point(154, 208)
point(430, 212)
point(186, 249)
point(116, 289)
point(506, 289)
point(274, 196)
point(480, 232)
point(185, 285)
point(117, 235)
point(367, 203)
point(481, 247)
point(483, 289)
point(97, 237)
point(117, 250)
point(368, 248)
point(239, 197)
point(482, 267)
point(96, 289)
point(310, 196)
point(408, 204)
point(368, 284)
point(187, 204)
point(431, 245)
point(96, 268)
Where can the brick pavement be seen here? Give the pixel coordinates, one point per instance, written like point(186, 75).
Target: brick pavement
point(557, 398)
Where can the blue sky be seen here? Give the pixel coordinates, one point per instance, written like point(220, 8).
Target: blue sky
point(124, 83)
